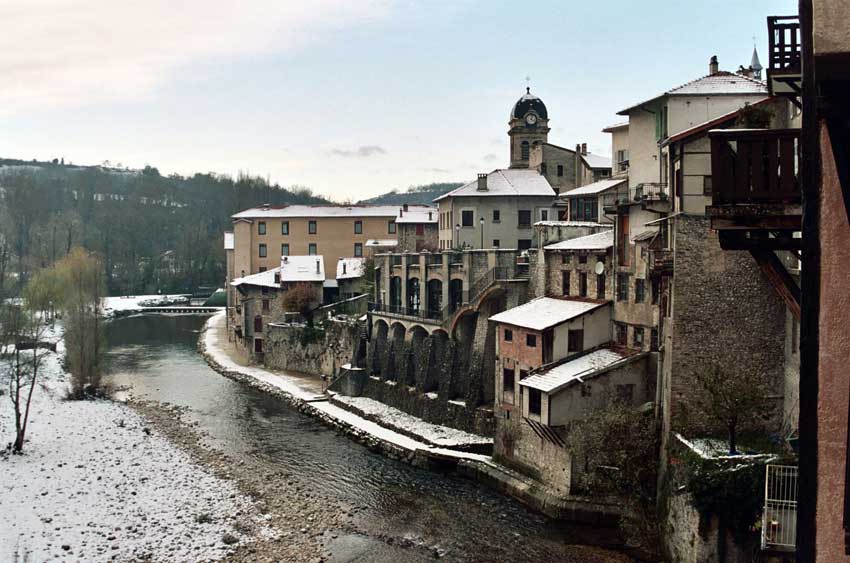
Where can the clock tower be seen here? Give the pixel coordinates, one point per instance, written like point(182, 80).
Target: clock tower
point(529, 126)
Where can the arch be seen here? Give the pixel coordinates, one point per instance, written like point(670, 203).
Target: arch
point(524, 150)
point(397, 332)
point(395, 292)
point(413, 296)
point(455, 293)
point(380, 329)
point(417, 334)
point(434, 297)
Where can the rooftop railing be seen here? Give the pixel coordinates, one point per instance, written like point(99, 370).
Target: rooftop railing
point(783, 34)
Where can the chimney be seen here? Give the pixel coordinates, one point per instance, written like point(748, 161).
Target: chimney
point(482, 182)
point(401, 212)
point(429, 215)
point(584, 149)
point(318, 264)
point(267, 205)
point(277, 278)
point(343, 267)
point(713, 65)
point(404, 206)
point(286, 260)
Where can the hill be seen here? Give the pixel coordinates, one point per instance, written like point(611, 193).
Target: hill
point(416, 194)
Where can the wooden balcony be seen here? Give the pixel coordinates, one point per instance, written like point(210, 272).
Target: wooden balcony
point(756, 199)
point(660, 262)
point(784, 71)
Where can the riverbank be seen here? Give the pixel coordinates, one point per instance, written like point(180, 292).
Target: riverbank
point(99, 482)
point(305, 394)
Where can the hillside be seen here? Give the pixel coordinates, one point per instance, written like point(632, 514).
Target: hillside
point(154, 232)
point(417, 194)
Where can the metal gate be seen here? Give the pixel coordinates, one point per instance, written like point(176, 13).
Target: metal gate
point(779, 523)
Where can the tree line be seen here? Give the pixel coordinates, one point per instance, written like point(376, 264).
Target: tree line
point(153, 233)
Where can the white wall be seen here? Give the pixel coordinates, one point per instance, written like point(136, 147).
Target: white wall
point(506, 230)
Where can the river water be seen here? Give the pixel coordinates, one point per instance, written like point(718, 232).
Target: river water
point(398, 505)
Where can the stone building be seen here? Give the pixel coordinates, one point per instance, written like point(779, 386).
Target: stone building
point(580, 267)
point(417, 229)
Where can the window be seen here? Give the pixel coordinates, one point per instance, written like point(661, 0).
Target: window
point(566, 258)
point(656, 290)
point(524, 218)
point(544, 214)
point(622, 287)
point(391, 227)
point(653, 339)
point(565, 283)
point(284, 228)
point(622, 334)
point(358, 227)
point(582, 259)
point(508, 380)
point(534, 401)
point(637, 337)
point(261, 228)
point(262, 269)
point(497, 216)
point(284, 249)
point(560, 170)
point(420, 229)
point(584, 209)
point(626, 392)
point(312, 250)
point(600, 286)
point(509, 335)
point(264, 251)
point(582, 284)
point(531, 340)
point(358, 249)
point(622, 160)
point(524, 150)
point(706, 185)
point(623, 239)
point(523, 373)
point(495, 243)
point(640, 290)
point(311, 228)
point(467, 218)
point(575, 340)
point(258, 324)
point(266, 305)
point(523, 244)
point(543, 168)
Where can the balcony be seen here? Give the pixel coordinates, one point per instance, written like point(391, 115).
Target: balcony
point(644, 194)
point(784, 68)
point(756, 199)
point(660, 262)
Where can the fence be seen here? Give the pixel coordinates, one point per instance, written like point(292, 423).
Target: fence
point(779, 525)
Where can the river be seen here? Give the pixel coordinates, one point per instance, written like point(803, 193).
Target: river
point(403, 513)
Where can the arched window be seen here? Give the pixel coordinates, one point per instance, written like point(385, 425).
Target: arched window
point(524, 152)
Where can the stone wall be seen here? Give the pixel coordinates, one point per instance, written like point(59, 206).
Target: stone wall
point(311, 350)
point(518, 446)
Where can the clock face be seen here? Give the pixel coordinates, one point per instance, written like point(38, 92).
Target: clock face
point(531, 119)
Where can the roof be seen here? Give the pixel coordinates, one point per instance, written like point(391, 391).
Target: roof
point(229, 243)
point(506, 182)
point(263, 279)
point(594, 188)
point(302, 268)
point(577, 370)
point(705, 126)
point(648, 234)
point(570, 224)
point(417, 215)
point(312, 211)
point(616, 127)
point(546, 312)
point(596, 241)
point(721, 83)
point(349, 268)
point(529, 102)
point(596, 161)
point(382, 242)
point(755, 63)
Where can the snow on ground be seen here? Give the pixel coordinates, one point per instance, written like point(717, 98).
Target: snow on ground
point(95, 483)
point(132, 302)
point(432, 433)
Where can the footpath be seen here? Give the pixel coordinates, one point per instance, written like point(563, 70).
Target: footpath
point(394, 433)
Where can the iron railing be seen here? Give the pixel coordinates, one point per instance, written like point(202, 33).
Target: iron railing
point(779, 524)
point(783, 33)
point(434, 260)
point(755, 166)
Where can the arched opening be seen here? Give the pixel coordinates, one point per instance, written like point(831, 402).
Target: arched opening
point(417, 335)
point(397, 332)
point(524, 150)
point(455, 294)
point(395, 293)
point(413, 296)
point(380, 330)
point(434, 298)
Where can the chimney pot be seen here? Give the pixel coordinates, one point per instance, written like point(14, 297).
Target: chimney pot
point(343, 267)
point(317, 267)
point(584, 149)
point(429, 215)
point(404, 206)
point(482, 182)
point(713, 65)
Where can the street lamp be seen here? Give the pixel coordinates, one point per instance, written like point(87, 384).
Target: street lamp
point(481, 222)
point(457, 238)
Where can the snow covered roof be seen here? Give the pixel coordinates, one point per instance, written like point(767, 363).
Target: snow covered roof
point(721, 83)
point(348, 268)
point(594, 188)
point(616, 127)
point(229, 243)
point(570, 224)
point(561, 375)
point(546, 312)
point(302, 268)
point(263, 279)
point(596, 241)
point(705, 126)
point(596, 161)
point(417, 215)
point(506, 182)
point(312, 211)
point(382, 242)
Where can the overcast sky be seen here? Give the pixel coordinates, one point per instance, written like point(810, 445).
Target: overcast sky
point(348, 97)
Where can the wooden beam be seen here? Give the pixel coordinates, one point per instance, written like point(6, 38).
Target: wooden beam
point(782, 282)
point(738, 240)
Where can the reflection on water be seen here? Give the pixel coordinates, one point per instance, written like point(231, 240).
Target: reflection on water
point(157, 357)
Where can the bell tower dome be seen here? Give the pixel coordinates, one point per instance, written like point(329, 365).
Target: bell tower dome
point(529, 126)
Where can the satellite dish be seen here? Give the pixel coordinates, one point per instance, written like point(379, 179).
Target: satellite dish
point(599, 268)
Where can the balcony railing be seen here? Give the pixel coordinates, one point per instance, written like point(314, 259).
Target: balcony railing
point(641, 193)
point(395, 260)
point(783, 34)
point(750, 166)
point(661, 262)
point(650, 191)
point(779, 525)
point(434, 260)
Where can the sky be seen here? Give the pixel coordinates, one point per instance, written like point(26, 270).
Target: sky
point(350, 98)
